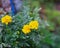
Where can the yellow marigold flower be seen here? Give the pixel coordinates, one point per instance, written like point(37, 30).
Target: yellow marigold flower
point(26, 29)
point(34, 24)
point(6, 19)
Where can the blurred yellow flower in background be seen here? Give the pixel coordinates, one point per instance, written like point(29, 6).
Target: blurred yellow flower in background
point(6, 19)
point(34, 24)
point(26, 29)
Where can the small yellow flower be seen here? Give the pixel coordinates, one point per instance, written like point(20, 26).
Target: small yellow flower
point(6, 19)
point(26, 29)
point(34, 24)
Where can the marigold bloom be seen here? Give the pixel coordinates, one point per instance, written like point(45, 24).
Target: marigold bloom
point(26, 29)
point(34, 24)
point(6, 19)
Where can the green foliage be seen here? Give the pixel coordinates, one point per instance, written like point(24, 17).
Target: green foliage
point(44, 37)
point(53, 16)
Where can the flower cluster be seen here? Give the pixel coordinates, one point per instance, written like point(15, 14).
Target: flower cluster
point(26, 28)
point(6, 19)
point(32, 25)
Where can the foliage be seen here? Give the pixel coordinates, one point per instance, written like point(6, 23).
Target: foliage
point(12, 36)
